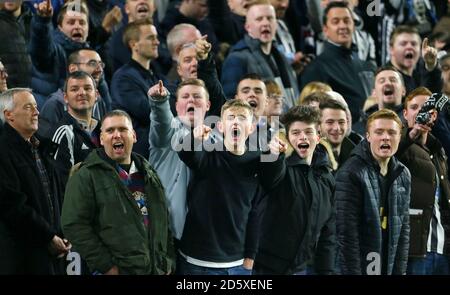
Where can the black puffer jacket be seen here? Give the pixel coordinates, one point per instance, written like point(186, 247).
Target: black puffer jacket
point(357, 213)
point(299, 222)
point(14, 55)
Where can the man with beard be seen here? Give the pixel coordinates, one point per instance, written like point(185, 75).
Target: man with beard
point(405, 52)
point(86, 60)
point(256, 53)
point(372, 203)
point(388, 91)
point(49, 51)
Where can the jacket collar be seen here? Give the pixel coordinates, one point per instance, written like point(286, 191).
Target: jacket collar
point(17, 141)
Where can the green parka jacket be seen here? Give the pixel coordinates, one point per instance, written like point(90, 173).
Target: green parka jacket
point(104, 224)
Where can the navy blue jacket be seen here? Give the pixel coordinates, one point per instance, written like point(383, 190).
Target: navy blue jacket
point(129, 88)
point(49, 52)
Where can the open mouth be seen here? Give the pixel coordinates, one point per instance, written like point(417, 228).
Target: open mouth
point(142, 8)
point(77, 36)
point(409, 55)
point(388, 91)
point(118, 147)
point(253, 104)
point(265, 32)
point(385, 147)
point(303, 146)
point(190, 109)
point(235, 133)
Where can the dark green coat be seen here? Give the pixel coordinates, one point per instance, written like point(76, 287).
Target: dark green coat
point(105, 225)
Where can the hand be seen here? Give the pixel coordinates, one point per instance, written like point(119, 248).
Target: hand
point(158, 91)
point(114, 271)
point(112, 18)
point(277, 146)
point(301, 61)
point(418, 131)
point(202, 47)
point(202, 132)
point(429, 55)
point(248, 263)
point(44, 9)
point(59, 247)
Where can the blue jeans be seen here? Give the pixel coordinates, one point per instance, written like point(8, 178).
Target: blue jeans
point(186, 268)
point(432, 264)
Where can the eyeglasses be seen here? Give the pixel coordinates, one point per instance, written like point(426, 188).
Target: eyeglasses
point(93, 64)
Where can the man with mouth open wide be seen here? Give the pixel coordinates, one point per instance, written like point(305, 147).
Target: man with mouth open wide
point(422, 153)
point(372, 202)
point(220, 235)
point(299, 221)
point(114, 207)
point(406, 52)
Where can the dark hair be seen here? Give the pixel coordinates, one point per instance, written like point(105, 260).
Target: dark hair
point(116, 113)
point(74, 57)
point(334, 4)
point(132, 30)
point(78, 75)
point(403, 29)
point(389, 68)
point(332, 104)
point(301, 113)
point(251, 76)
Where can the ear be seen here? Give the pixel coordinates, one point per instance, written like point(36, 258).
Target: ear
point(178, 70)
point(101, 137)
point(405, 112)
point(97, 94)
point(73, 68)
point(208, 105)
point(8, 115)
point(134, 137)
point(131, 44)
point(368, 136)
point(65, 98)
point(325, 29)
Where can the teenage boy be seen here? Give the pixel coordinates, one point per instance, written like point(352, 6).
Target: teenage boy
point(221, 230)
point(299, 221)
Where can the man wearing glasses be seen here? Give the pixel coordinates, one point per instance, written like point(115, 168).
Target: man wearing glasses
point(89, 61)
